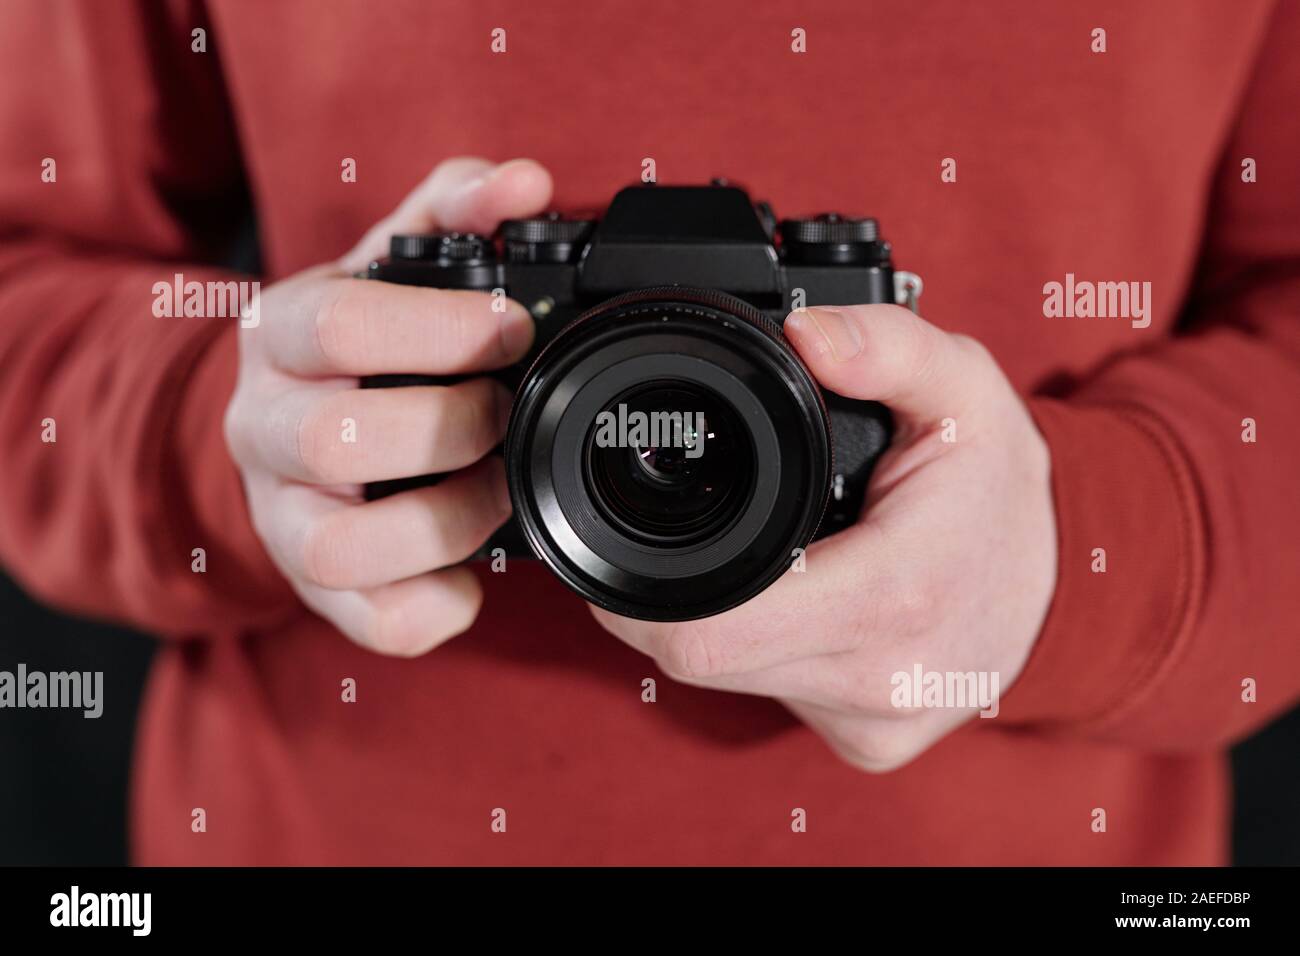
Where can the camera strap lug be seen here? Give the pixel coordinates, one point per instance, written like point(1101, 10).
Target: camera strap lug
point(907, 289)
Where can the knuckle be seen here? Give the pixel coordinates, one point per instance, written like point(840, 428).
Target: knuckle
point(440, 415)
point(462, 611)
point(922, 347)
point(872, 330)
point(331, 325)
point(886, 321)
point(888, 317)
point(480, 417)
point(265, 530)
point(454, 536)
point(471, 328)
point(464, 312)
point(464, 418)
point(876, 752)
point(317, 444)
point(456, 414)
point(446, 166)
point(900, 341)
point(689, 654)
point(850, 689)
point(394, 633)
point(971, 347)
point(233, 429)
point(328, 556)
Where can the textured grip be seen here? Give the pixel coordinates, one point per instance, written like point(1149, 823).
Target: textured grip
point(860, 433)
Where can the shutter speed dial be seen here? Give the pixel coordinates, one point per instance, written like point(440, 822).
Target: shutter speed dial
point(831, 239)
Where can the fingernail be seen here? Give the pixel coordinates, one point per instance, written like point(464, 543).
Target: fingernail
point(516, 329)
point(839, 331)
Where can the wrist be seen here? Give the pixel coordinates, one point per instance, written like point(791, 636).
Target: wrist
point(1131, 562)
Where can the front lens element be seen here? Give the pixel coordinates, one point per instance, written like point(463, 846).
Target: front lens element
point(670, 463)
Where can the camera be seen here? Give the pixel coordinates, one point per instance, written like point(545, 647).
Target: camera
point(668, 454)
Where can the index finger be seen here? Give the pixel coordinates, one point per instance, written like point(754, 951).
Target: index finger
point(466, 194)
point(340, 326)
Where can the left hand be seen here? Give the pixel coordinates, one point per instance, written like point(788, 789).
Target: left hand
point(951, 566)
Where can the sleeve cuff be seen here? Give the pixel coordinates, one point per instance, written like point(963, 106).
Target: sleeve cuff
point(1121, 484)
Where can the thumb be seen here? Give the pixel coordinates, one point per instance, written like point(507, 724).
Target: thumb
point(887, 354)
point(461, 195)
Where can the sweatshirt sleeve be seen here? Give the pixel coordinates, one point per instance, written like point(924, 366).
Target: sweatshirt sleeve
point(1181, 464)
point(119, 168)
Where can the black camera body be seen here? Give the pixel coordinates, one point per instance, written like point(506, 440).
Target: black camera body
point(675, 297)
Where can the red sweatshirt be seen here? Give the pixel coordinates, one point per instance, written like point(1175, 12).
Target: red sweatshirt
point(1117, 166)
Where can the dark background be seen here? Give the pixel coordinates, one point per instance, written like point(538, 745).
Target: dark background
point(63, 778)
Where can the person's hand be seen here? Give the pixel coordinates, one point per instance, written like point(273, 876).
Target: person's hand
point(951, 567)
point(382, 571)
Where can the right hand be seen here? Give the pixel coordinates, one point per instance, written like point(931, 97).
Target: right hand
point(384, 572)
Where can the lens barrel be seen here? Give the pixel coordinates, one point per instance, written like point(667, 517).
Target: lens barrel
point(667, 453)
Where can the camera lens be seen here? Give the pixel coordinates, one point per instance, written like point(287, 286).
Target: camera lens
point(682, 473)
point(667, 453)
